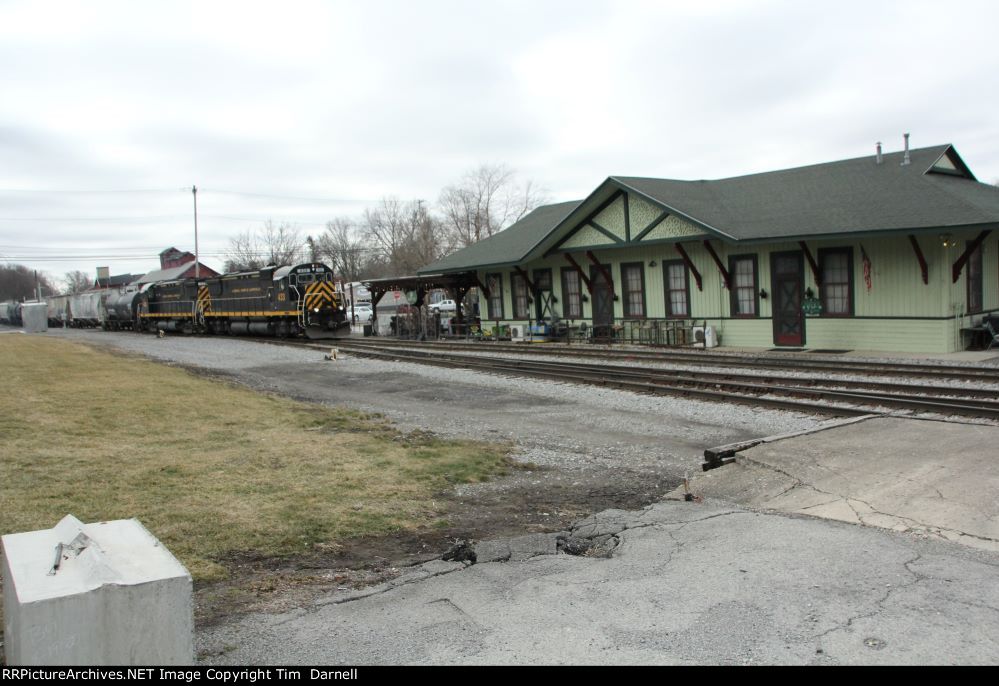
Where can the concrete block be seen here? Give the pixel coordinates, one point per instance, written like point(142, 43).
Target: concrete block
point(35, 317)
point(107, 593)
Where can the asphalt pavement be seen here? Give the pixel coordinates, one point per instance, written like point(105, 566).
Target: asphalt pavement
point(687, 583)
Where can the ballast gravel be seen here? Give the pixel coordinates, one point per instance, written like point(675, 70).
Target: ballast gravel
point(552, 424)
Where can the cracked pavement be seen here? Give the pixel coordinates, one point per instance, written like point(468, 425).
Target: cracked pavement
point(931, 478)
point(687, 584)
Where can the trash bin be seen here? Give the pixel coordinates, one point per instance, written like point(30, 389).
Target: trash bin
point(368, 330)
point(107, 593)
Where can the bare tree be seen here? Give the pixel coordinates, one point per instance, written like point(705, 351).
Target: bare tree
point(272, 244)
point(404, 236)
point(341, 247)
point(485, 201)
point(78, 282)
point(17, 282)
point(283, 243)
point(244, 253)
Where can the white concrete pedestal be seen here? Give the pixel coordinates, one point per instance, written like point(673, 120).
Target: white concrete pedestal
point(107, 593)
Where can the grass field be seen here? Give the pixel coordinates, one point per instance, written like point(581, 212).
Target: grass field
point(209, 468)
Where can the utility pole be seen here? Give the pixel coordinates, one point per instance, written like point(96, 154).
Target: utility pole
point(197, 259)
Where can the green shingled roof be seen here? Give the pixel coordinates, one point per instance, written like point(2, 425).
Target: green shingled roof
point(508, 246)
point(850, 196)
point(835, 198)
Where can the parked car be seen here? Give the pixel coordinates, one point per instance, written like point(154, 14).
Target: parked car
point(362, 313)
point(444, 306)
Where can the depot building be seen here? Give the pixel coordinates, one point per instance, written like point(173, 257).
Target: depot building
point(893, 252)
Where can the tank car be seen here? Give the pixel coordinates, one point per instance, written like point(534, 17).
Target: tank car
point(9, 313)
point(120, 309)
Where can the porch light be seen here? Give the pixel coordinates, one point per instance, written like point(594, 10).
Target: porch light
point(947, 241)
point(652, 263)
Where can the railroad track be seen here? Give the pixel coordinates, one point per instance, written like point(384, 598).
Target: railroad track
point(823, 396)
point(781, 361)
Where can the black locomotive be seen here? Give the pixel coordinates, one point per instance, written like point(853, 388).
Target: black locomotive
point(274, 301)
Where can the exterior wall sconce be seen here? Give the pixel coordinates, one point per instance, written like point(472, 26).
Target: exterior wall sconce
point(584, 299)
point(947, 241)
point(763, 293)
point(652, 263)
point(809, 293)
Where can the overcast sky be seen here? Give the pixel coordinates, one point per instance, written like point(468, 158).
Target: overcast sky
point(110, 111)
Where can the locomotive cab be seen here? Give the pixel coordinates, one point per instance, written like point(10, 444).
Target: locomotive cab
point(314, 294)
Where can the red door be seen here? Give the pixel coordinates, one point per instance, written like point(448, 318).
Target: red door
point(787, 271)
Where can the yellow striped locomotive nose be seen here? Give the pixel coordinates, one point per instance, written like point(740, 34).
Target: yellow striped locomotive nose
point(204, 299)
point(319, 295)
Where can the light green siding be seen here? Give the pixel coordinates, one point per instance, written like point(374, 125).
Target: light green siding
point(641, 214)
point(673, 227)
point(898, 313)
point(612, 218)
point(587, 237)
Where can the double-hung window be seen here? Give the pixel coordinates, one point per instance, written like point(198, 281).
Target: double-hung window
point(572, 300)
point(520, 301)
point(836, 291)
point(633, 276)
point(744, 300)
point(677, 289)
point(494, 282)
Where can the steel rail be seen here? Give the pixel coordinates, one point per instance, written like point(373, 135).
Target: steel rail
point(831, 384)
point(756, 394)
point(843, 365)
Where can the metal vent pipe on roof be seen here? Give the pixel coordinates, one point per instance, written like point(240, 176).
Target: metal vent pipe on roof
point(879, 152)
point(906, 159)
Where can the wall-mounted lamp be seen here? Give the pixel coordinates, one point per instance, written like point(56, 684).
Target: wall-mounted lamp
point(652, 263)
point(809, 293)
point(947, 241)
point(554, 300)
point(584, 299)
point(763, 293)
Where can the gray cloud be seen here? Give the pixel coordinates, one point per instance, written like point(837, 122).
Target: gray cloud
point(351, 101)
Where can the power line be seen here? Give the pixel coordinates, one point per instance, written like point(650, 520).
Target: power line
point(90, 191)
point(334, 201)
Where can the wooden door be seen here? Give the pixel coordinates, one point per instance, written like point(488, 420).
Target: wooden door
point(787, 274)
point(603, 302)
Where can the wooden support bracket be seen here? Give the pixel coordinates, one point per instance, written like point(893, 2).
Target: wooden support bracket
point(527, 279)
point(811, 263)
point(482, 287)
point(919, 256)
point(690, 265)
point(963, 259)
point(603, 271)
point(579, 270)
point(721, 267)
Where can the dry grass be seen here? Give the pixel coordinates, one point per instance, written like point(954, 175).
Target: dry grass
point(209, 468)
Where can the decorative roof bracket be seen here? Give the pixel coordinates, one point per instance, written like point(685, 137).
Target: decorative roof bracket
point(690, 265)
point(963, 259)
point(721, 267)
point(919, 256)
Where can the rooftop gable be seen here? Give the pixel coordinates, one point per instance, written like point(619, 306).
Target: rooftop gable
point(934, 190)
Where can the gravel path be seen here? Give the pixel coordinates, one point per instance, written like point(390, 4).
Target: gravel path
point(554, 423)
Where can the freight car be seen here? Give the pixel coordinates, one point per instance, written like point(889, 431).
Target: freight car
point(119, 309)
point(58, 310)
point(87, 309)
point(274, 301)
point(10, 313)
